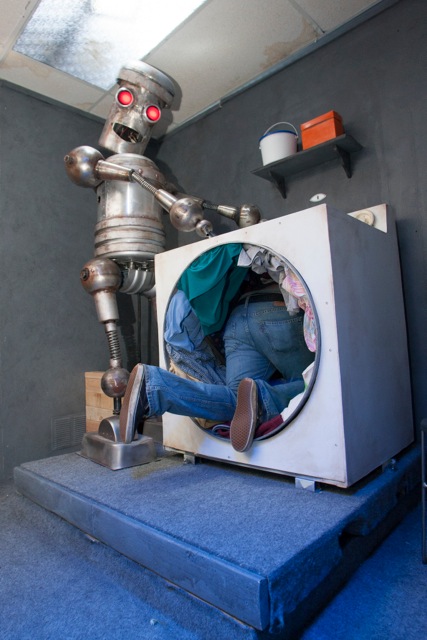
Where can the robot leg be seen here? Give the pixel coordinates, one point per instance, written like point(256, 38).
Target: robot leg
point(102, 278)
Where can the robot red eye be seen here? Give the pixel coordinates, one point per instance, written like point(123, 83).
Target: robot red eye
point(153, 113)
point(125, 97)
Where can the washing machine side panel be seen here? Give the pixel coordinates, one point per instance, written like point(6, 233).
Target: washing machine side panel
point(372, 343)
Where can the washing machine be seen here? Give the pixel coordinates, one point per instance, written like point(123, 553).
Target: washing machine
point(355, 413)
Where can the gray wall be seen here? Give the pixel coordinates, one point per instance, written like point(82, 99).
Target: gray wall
point(375, 77)
point(48, 327)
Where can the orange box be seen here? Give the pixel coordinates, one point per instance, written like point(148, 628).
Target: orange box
point(321, 129)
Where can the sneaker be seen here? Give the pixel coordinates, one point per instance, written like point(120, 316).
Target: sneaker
point(244, 422)
point(133, 405)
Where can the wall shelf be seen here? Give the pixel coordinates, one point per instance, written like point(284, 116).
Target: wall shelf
point(338, 148)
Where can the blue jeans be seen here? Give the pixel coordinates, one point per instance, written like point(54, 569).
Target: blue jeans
point(260, 339)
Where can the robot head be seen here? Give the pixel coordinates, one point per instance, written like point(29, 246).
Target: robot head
point(143, 92)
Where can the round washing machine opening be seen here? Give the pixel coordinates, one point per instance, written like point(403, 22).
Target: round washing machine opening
point(202, 306)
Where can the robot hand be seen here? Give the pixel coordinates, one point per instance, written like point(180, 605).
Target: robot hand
point(244, 216)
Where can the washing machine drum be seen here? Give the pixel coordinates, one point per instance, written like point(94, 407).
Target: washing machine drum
point(206, 293)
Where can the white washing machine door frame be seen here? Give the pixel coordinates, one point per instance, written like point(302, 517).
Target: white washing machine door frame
point(340, 431)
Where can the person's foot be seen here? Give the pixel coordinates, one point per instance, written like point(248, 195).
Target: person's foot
point(244, 422)
point(133, 405)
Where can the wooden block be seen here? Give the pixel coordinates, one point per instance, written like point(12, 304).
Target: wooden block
point(98, 405)
point(92, 384)
point(98, 399)
point(92, 425)
point(96, 413)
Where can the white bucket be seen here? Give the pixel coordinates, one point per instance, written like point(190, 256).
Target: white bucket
point(276, 145)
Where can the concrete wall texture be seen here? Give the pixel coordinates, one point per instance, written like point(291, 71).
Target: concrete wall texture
point(48, 333)
point(374, 76)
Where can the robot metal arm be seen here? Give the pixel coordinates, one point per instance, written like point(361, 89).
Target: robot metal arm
point(86, 167)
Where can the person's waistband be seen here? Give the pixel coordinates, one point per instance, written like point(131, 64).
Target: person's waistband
point(261, 297)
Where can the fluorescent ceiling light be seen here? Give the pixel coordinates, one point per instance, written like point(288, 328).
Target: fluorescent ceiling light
point(92, 39)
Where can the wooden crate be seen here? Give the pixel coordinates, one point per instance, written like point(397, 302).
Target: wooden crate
point(98, 405)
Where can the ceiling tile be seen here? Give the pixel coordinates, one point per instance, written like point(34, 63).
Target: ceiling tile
point(329, 14)
point(40, 78)
point(14, 14)
point(209, 58)
point(103, 106)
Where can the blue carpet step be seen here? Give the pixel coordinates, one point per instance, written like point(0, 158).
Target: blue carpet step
point(248, 544)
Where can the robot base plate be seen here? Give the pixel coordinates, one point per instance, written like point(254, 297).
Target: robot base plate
point(117, 455)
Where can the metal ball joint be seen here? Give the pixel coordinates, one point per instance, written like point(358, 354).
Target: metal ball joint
point(114, 382)
point(185, 214)
point(80, 165)
point(101, 274)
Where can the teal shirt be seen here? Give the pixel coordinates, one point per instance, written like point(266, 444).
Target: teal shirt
point(210, 284)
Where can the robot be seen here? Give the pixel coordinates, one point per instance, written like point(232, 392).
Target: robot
point(132, 197)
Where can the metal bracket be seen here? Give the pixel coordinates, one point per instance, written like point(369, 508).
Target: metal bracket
point(104, 447)
point(345, 160)
point(280, 183)
point(308, 484)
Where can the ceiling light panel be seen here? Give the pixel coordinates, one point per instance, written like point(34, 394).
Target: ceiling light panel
point(92, 39)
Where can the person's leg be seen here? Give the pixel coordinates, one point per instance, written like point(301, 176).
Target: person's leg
point(261, 338)
point(168, 392)
point(280, 337)
point(245, 419)
point(243, 359)
point(151, 391)
point(274, 398)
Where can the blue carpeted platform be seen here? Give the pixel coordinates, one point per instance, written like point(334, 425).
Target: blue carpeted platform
point(248, 543)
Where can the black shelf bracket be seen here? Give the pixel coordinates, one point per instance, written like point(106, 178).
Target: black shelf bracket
point(339, 148)
point(345, 160)
point(280, 183)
